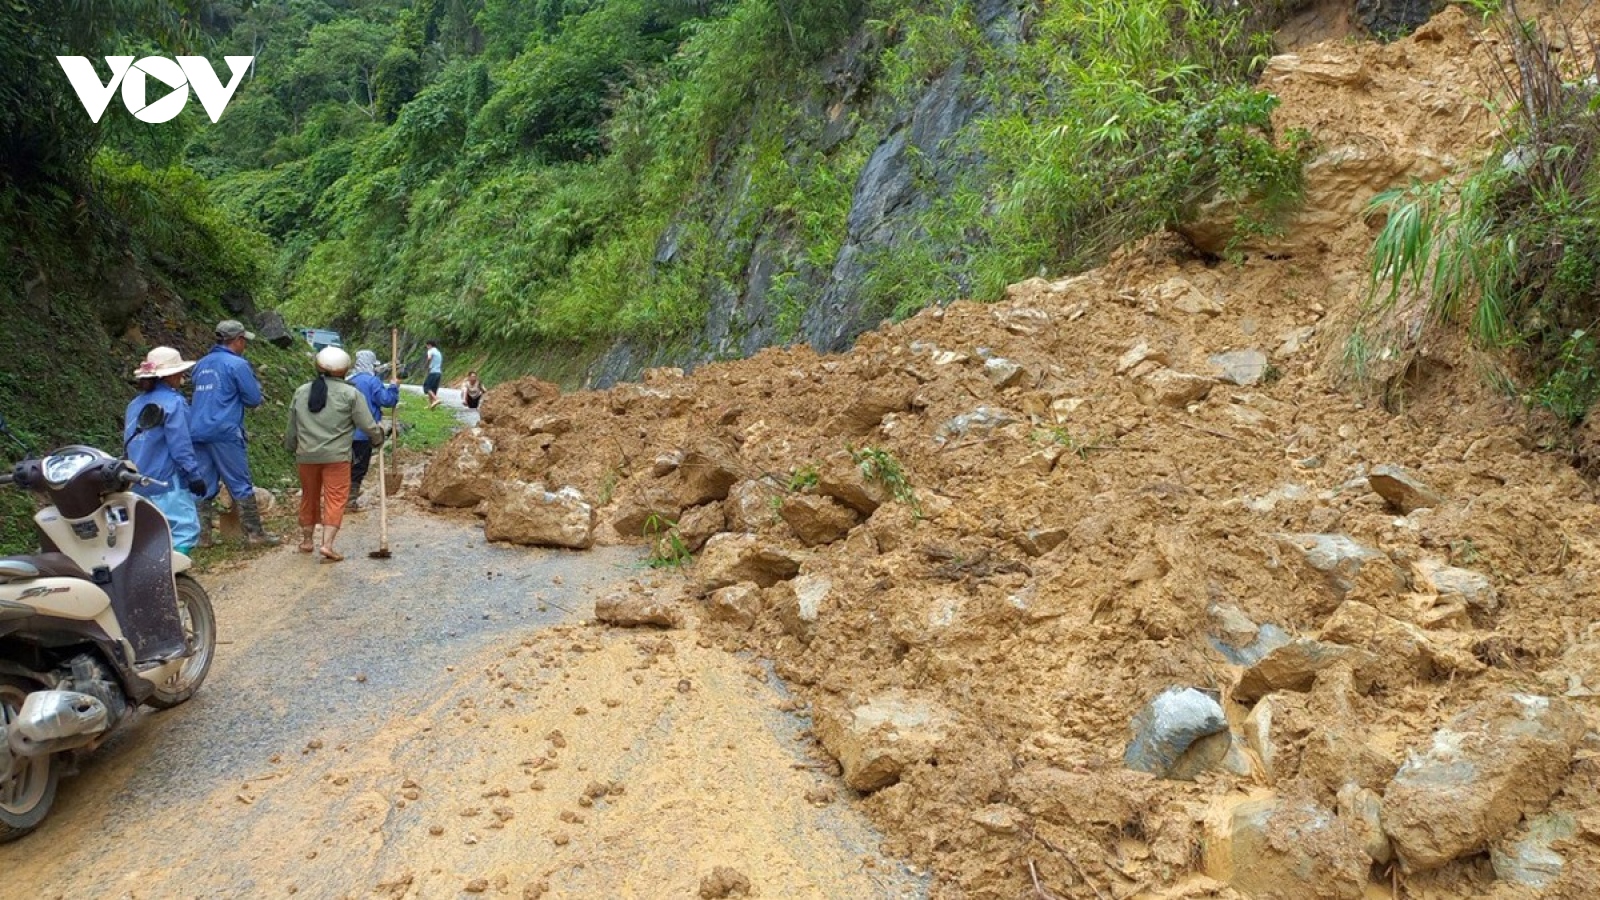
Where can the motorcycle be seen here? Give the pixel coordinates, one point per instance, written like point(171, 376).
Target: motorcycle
point(103, 620)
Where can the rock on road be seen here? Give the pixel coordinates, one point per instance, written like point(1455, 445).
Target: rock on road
point(448, 723)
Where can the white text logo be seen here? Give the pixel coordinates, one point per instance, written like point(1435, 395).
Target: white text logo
point(186, 73)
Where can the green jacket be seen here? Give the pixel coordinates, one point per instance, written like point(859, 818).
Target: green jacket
point(325, 437)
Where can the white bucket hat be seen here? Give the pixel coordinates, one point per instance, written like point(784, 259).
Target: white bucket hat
point(332, 359)
point(161, 362)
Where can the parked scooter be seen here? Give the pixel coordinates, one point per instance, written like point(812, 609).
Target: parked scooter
point(103, 620)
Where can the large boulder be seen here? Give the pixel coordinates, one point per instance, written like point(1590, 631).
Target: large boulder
point(1343, 562)
point(708, 470)
point(1241, 367)
point(1454, 583)
point(871, 404)
point(752, 504)
point(1170, 726)
point(1241, 641)
point(646, 509)
point(730, 558)
point(1295, 665)
point(696, 526)
point(1498, 761)
point(1363, 809)
point(737, 604)
point(799, 604)
point(1406, 652)
point(816, 519)
point(1285, 849)
point(1402, 489)
point(877, 739)
point(270, 328)
point(527, 514)
point(1528, 857)
point(839, 476)
point(1166, 387)
point(636, 608)
point(459, 473)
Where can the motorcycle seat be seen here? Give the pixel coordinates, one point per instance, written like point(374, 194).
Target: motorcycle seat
point(45, 565)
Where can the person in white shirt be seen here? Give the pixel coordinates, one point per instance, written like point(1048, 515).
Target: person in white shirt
point(430, 385)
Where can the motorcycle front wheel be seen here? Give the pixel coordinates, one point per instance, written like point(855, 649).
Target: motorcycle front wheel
point(200, 633)
point(27, 783)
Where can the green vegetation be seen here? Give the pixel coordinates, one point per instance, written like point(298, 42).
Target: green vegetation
point(558, 174)
point(422, 429)
point(1511, 252)
point(1114, 120)
point(804, 478)
point(667, 548)
point(1078, 446)
point(880, 466)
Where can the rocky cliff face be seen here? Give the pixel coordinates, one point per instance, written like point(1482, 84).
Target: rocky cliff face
point(915, 162)
point(923, 145)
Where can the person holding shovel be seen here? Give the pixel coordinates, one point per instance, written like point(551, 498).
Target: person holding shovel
point(378, 395)
point(323, 418)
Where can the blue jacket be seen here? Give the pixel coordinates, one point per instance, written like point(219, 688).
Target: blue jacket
point(224, 386)
point(164, 453)
point(378, 396)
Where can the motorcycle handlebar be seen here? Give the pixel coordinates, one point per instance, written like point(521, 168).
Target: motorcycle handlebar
point(128, 476)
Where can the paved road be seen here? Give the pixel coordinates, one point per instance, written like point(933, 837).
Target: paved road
point(438, 722)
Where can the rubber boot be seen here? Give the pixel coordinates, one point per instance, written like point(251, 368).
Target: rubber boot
point(208, 523)
point(250, 520)
point(354, 503)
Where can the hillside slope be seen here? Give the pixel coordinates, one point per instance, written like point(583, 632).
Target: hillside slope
point(981, 541)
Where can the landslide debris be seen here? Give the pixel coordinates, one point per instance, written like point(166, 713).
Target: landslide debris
point(982, 541)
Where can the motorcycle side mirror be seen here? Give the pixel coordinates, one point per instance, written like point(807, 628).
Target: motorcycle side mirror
point(151, 418)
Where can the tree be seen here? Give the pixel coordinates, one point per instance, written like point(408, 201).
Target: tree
point(340, 61)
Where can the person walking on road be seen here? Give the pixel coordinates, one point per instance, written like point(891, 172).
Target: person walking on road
point(224, 387)
point(430, 386)
point(324, 416)
point(158, 444)
point(379, 395)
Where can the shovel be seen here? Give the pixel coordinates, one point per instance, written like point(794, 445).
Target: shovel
point(383, 476)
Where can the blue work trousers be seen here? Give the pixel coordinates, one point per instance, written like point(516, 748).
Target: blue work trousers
point(225, 461)
point(183, 518)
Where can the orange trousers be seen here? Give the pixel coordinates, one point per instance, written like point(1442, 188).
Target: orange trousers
point(324, 490)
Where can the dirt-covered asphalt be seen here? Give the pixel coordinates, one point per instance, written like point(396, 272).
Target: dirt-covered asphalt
point(449, 722)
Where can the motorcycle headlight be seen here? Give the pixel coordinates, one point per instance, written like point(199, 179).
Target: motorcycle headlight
point(62, 467)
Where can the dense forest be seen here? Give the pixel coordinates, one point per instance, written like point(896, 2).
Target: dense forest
point(565, 173)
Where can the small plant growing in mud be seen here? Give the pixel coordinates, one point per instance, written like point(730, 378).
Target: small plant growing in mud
point(608, 486)
point(803, 478)
point(878, 464)
point(1060, 435)
point(667, 547)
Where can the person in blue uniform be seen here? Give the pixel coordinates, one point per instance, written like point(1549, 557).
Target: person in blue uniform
point(160, 447)
point(379, 395)
point(224, 387)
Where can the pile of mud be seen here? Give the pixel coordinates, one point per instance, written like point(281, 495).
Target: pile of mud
point(981, 542)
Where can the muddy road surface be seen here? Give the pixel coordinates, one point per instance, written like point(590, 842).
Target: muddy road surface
point(448, 723)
